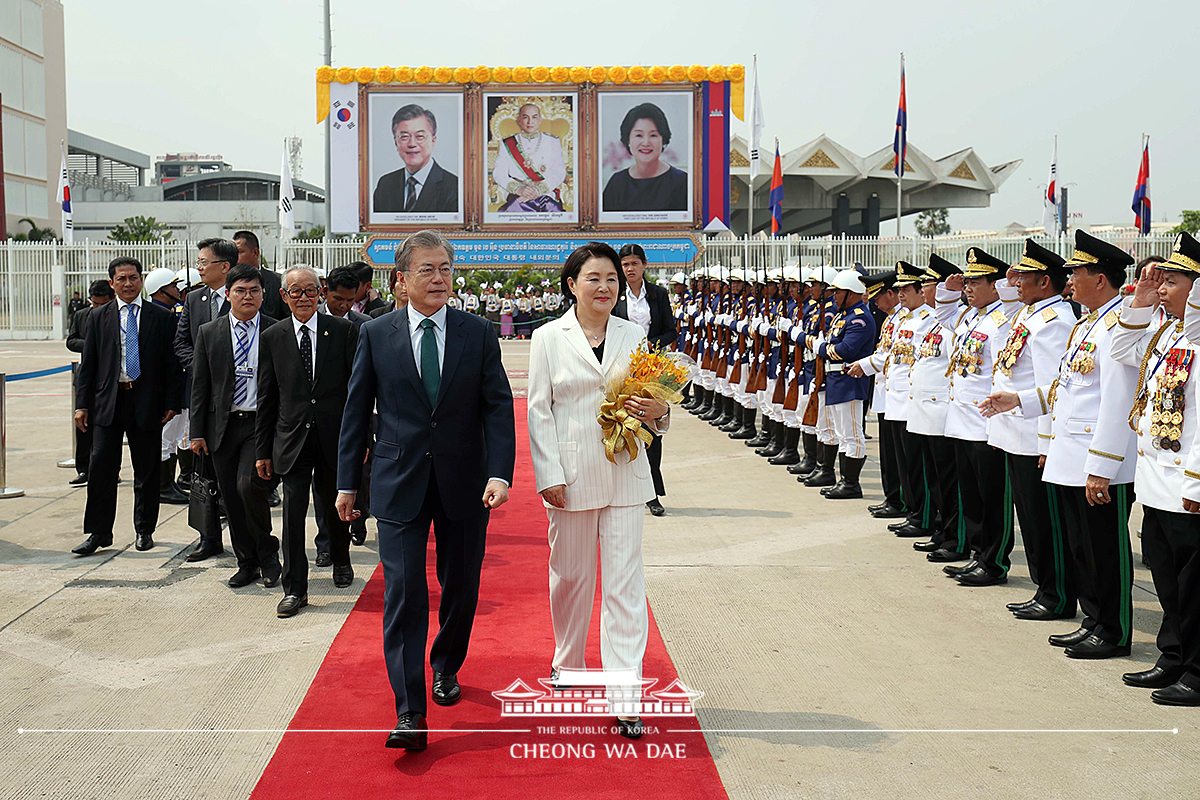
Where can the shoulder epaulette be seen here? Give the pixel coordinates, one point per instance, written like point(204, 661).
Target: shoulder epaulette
point(999, 317)
point(1049, 314)
point(1111, 318)
point(924, 313)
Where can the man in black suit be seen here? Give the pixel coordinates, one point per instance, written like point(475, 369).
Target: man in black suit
point(422, 186)
point(128, 386)
point(248, 253)
point(649, 305)
point(444, 455)
point(224, 410)
point(99, 293)
point(304, 371)
point(341, 295)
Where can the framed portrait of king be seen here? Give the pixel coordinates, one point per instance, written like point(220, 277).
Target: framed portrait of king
point(531, 158)
point(414, 167)
point(647, 157)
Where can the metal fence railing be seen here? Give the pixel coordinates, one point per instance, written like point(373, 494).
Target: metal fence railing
point(37, 278)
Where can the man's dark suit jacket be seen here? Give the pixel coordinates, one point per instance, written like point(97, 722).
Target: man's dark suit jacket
point(213, 379)
point(197, 311)
point(379, 312)
point(158, 388)
point(375, 303)
point(662, 321)
point(272, 304)
point(358, 318)
point(438, 195)
point(466, 437)
point(77, 333)
point(288, 406)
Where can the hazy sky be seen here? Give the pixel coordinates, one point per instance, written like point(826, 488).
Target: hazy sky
point(235, 78)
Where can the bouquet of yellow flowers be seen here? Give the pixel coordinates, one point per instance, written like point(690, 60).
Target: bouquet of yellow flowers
point(651, 372)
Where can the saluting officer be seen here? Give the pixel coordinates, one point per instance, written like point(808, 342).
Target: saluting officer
point(882, 292)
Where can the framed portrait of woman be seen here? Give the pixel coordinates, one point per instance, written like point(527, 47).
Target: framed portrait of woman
point(531, 159)
point(646, 143)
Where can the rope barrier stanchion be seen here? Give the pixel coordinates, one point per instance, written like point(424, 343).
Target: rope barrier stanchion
point(69, 463)
point(6, 491)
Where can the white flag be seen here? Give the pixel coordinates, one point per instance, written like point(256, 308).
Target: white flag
point(287, 200)
point(756, 126)
point(1050, 212)
point(64, 200)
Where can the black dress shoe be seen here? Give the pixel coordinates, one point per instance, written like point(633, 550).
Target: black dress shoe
point(1154, 678)
point(911, 531)
point(877, 506)
point(91, 544)
point(927, 547)
point(324, 560)
point(1094, 647)
point(1177, 694)
point(980, 577)
point(206, 549)
point(895, 526)
point(271, 574)
point(954, 571)
point(942, 556)
point(656, 507)
point(343, 576)
point(243, 577)
point(290, 605)
point(821, 476)
point(631, 728)
point(889, 512)
point(825, 492)
point(359, 535)
point(1019, 606)
point(446, 691)
point(410, 732)
point(1070, 639)
point(78, 480)
point(1037, 611)
point(273, 498)
point(143, 542)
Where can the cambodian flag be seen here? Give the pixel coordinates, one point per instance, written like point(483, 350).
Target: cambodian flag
point(900, 146)
point(776, 198)
point(1141, 195)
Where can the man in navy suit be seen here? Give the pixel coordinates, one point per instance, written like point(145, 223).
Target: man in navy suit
point(444, 455)
point(422, 186)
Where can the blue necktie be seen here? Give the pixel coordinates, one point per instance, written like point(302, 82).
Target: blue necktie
point(133, 357)
point(430, 371)
point(242, 385)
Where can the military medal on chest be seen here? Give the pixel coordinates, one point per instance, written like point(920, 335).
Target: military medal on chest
point(1084, 360)
point(902, 349)
point(1012, 349)
point(1166, 415)
point(931, 345)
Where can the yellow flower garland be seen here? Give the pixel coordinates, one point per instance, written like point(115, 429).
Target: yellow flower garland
point(677, 73)
point(345, 75)
point(696, 73)
point(325, 74)
point(539, 74)
point(637, 74)
point(579, 74)
point(364, 74)
point(482, 74)
point(559, 74)
point(597, 74)
point(502, 74)
point(658, 74)
point(521, 74)
point(736, 73)
point(618, 74)
point(442, 74)
point(403, 74)
point(716, 73)
point(385, 74)
point(423, 74)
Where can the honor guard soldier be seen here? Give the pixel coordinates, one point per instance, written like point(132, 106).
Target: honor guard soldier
point(710, 349)
point(1091, 453)
point(819, 312)
point(881, 292)
point(774, 306)
point(1168, 469)
point(745, 406)
point(1029, 360)
point(785, 432)
point(730, 289)
point(679, 297)
point(929, 401)
point(986, 505)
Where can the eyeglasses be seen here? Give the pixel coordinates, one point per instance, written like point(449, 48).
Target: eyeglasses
point(200, 262)
point(425, 273)
point(308, 291)
point(240, 292)
point(420, 138)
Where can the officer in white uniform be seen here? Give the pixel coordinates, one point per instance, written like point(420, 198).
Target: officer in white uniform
point(881, 290)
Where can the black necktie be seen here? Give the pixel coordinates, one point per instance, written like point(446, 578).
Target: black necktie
point(410, 197)
point(306, 353)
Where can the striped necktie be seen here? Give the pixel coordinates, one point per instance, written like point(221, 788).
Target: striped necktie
point(241, 387)
point(133, 356)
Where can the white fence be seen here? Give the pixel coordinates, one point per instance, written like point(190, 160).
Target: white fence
point(37, 279)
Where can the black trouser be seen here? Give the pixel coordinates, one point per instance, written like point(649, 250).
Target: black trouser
point(1171, 541)
point(1102, 557)
point(402, 548)
point(1040, 516)
point(889, 461)
point(986, 507)
point(145, 451)
point(362, 499)
point(311, 469)
point(83, 450)
point(245, 494)
point(914, 477)
point(941, 476)
point(654, 454)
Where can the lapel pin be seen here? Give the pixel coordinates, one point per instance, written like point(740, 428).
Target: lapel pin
point(326, 333)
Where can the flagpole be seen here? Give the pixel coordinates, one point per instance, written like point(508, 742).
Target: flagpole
point(900, 154)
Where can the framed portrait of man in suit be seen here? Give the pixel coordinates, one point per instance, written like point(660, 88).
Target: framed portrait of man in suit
point(414, 158)
point(646, 147)
point(531, 159)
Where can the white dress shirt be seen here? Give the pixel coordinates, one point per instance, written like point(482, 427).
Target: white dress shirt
point(252, 338)
point(123, 317)
point(417, 334)
point(312, 336)
point(638, 308)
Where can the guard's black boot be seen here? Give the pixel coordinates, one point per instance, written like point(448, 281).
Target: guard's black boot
point(715, 408)
point(848, 488)
point(777, 444)
point(737, 420)
point(724, 410)
point(168, 492)
point(789, 455)
point(809, 463)
point(184, 481)
point(823, 475)
point(747, 430)
point(764, 435)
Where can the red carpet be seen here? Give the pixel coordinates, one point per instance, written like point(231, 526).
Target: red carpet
point(512, 639)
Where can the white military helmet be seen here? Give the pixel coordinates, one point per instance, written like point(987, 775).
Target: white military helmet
point(188, 276)
point(792, 273)
point(821, 274)
point(158, 278)
point(775, 274)
point(679, 278)
point(850, 280)
point(737, 274)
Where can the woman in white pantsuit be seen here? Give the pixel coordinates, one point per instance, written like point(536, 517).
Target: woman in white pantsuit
point(591, 502)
